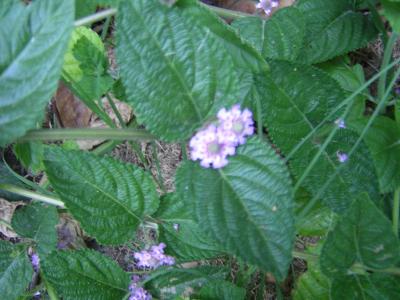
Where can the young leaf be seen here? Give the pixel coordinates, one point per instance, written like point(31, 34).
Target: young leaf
point(30, 154)
point(171, 283)
point(362, 236)
point(107, 197)
point(37, 222)
point(180, 232)
point(383, 140)
point(281, 37)
point(15, 270)
point(85, 274)
point(247, 206)
point(32, 54)
point(333, 29)
point(221, 290)
point(188, 69)
point(293, 104)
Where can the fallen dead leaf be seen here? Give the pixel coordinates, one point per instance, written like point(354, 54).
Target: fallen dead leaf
point(70, 235)
point(6, 212)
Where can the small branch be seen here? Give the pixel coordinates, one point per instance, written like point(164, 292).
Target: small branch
point(226, 13)
point(30, 194)
point(95, 17)
point(118, 134)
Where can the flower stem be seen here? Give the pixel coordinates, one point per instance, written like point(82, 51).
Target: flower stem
point(95, 17)
point(226, 13)
point(30, 194)
point(396, 207)
point(118, 134)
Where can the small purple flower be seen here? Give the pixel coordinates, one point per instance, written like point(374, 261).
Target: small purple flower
point(136, 292)
point(397, 91)
point(176, 226)
point(154, 257)
point(340, 123)
point(236, 124)
point(341, 156)
point(35, 262)
point(211, 146)
point(267, 5)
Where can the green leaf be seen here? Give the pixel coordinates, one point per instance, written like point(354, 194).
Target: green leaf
point(315, 223)
point(86, 64)
point(15, 270)
point(246, 206)
point(37, 222)
point(383, 140)
point(32, 51)
point(180, 232)
point(7, 177)
point(391, 10)
point(173, 282)
point(107, 197)
point(84, 275)
point(333, 29)
point(375, 286)
point(221, 290)
point(280, 37)
point(363, 236)
point(30, 154)
point(84, 8)
point(294, 103)
point(188, 68)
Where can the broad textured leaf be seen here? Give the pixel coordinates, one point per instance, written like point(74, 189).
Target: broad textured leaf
point(221, 290)
point(171, 283)
point(178, 72)
point(294, 102)
point(32, 52)
point(280, 37)
point(372, 287)
point(37, 222)
point(247, 206)
point(109, 198)
point(333, 29)
point(315, 223)
point(15, 270)
point(86, 64)
point(180, 232)
point(383, 140)
point(391, 10)
point(362, 236)
point(85, 275)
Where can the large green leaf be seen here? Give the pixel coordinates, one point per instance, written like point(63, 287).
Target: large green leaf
point(32, 53)
point(85, 275)
point(333, 29)
point(391, 10)
point(294, 102)
point(15, 270)
point(383, 140)
point(312, 285)
point(180, 232)
point(173, 282)
point(247, 206)
point(107, 197)
point(221, 290)
point(371, 287)
point(177, 71)
point(362, 236)
point(37, 222)
point(280, 37)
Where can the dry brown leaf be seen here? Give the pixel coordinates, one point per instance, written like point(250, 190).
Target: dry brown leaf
point(70, 235)
point(6, 212)
point(72, 112)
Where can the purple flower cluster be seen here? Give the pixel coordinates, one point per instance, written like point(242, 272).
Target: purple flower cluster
point(214, 143)
point(267, 5)
point(35, 261)
point(137, 292)
point(153, 258)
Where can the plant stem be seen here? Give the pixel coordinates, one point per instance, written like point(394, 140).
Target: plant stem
point(225, 13)
point(159, 175)
point(183, 150)
point(116, 111)
point(385, 62)
point(396, 207)
point(30, 194)
point(118, 134)
point(95, 17)
point(304, 256)
point(106, 26)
